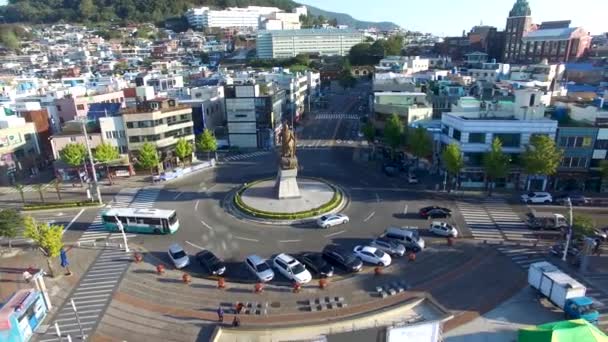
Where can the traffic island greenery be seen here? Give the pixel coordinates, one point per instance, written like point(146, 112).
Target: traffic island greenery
point(332, 204)
point(42, 206)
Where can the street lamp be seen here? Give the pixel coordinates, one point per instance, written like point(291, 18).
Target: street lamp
point(569, 235)
point(86, 140)
point(122, 230)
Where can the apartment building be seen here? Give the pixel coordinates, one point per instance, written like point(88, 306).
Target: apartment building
point(208, 111)
point(71, 107)
point(403, 64)
point(280, 21)
point(489, 72)
point(19, 150)
point(295, 86)
point(249, 17)
point(409, 106)
point(290, 43)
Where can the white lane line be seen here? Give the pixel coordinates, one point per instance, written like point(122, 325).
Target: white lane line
point(177, 196)
point(71, 222)
point(196, 205)
point(405, 210)
point(336, 233)
point(206, 225)
point(369, 216)
point(245, 239)
point(288, 241)
point(377, 198)
point(194, 245)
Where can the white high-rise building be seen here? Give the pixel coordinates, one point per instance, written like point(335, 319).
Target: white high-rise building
point(290, 43)
point(249, 17)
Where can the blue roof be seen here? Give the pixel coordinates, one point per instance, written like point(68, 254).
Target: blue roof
point(100, 110)
point(581, 67)
point(581, 301)
point(578, 88)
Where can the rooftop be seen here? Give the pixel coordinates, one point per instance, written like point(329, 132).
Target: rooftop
point(550, 34)
point(311, 32)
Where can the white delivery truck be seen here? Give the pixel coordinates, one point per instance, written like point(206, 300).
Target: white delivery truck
point(563, 290)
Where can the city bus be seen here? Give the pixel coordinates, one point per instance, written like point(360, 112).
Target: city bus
point(157, 221)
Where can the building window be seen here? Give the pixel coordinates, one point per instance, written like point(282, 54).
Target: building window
point(509, 139)
point(601, 144)
point(134, 139)
point(477, 138)
point(456, 134)
point(121, 134)
point(72, 139)
point(129, 124)
point(80, 107)
point(108, 135)
point(58, 108)
point(114, 134)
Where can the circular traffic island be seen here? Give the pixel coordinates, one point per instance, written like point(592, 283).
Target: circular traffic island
point(258, 201)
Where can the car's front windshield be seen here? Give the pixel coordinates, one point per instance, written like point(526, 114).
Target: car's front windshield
point(379, 253)
point(262, 267)
point(297, 269)
point(178, 255)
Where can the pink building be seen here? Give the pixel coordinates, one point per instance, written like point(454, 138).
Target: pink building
point(59, 141)
point(69, 108)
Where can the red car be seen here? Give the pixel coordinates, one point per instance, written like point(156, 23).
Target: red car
point(434, 210)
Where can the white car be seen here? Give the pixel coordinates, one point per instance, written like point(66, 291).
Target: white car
point(443, 229)
point(372, 255)
point(292, 268)
point(178, 256)
point(411, 179)
point(330, 220)
point(259, 267)
point(537, 197)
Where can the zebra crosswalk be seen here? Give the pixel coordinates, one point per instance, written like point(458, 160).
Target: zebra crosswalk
point(523, 256)
point(247, 155)
point(91, 296)
point(481, 225)
point(340, 116)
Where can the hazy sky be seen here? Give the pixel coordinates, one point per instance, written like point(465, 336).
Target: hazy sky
point(450, 17)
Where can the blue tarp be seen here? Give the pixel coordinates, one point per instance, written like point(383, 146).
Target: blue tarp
point(99, 110)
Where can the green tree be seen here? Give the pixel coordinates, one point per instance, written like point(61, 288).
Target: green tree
point(333, 22)
point(148, 157)
point(121, 67)
point(582, 225)
point(105, 153)
point(183, 150)
point(393, 45)
point(542, 156)
point(87, 9)
point(369, 131)
point(9, 39)
point(420, 143)
point(10, 222)
point(206, 142)
point(495, 163)
point(74, 155)
point(393, 132)
point(452, 161)
point(40, 188)
point(20, 190)
point(47, 237)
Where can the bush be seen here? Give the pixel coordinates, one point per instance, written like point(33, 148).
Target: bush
point(332, 204)
point(29, 207)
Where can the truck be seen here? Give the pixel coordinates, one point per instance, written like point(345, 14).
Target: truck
point(541, 221)
point(563, 291)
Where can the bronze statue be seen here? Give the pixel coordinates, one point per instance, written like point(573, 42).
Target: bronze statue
point(288, 148)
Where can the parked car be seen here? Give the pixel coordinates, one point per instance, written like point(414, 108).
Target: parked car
point(389, 246)
point(537, 197)
point(443, 229)
point(342, 258)
point(259, 267)
point(575, 199)
point(178, 256)
point(411, 179)
point(211, 262)
point(291, 268)
point(423, 212)
point(315, 263)
point(331, 220)
point(408, 237)
point(438, 213)
point(372, 255)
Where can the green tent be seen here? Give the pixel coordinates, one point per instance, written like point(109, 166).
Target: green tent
point(577, 330)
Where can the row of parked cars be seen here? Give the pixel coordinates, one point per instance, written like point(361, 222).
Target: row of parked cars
point(541, 197)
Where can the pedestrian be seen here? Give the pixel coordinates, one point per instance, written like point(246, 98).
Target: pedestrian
point(220, 314)
point(236, 321)
point(596, 248)
point(239, 307)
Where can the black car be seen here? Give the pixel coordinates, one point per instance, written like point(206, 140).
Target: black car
point(342, 258)
point(211, 263)
point(314, 262)
point(436, 211)
point(575, 199)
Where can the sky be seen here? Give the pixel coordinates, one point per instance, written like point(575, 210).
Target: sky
point(450, 17)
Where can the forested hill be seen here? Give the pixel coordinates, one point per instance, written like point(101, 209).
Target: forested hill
point(52, 11)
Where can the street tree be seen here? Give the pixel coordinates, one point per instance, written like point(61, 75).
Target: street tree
point(452, 160)
point(74, 155)
point(40, 188)
point(419, 142)
point(105, 153)
point(393, 132)
point(542, 156)
point(47, 237)
point(148, 157)
point(369, 131)
point(495, 163)
point(10, 222)
point(20, 190)
point(582, 225)
point(183, 150)
point(206, 142)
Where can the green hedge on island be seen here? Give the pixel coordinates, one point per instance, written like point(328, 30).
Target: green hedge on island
point(40, 206)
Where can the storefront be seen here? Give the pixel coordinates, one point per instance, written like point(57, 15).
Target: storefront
point(21, 315)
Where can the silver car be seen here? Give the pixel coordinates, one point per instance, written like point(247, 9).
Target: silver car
point(259, 267)
point(388, 246)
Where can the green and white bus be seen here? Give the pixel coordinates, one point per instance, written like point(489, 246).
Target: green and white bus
point(157, 221)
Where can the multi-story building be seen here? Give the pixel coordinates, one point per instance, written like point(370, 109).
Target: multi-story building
point(409, 106)
point(71, 107)
point(254, 118)
point(403, 64)
point(296, 92)
point(555, 41)
point(392, 82)
point(249, 17)
point(519, 23)
point(543, 74)
point(578, 145)
point(290, 43)
point(161, 122)
point(160, 82)
point(19, 150)
point(489, 72)
point(474, 124)
point(208, 111)
point(280, 21)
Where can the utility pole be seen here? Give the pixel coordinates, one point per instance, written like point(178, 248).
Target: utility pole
point(122, 230)
point(86, 140)
point(569, 235)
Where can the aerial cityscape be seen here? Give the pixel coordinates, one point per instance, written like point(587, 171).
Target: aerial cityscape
point(274, 171)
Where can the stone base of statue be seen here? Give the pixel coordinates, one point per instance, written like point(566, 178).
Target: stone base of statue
point(286, 184)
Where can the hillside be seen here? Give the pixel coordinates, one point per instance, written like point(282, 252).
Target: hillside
point(51, 11)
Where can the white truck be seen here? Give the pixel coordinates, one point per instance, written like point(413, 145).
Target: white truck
point(563, 290)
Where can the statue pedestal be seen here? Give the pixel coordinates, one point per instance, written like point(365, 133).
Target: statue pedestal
point(286, 184)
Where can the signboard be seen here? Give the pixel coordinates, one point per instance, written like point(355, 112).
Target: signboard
point(122, 173)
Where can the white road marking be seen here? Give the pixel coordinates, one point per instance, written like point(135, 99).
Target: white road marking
point(246, 239)
point(206, 225)
point(369, 216)
point(288, 241)
point(405, 210)
point(71, 222)
point(196, 206)
point(193, 245)
point(336, 233)
point(177, 196)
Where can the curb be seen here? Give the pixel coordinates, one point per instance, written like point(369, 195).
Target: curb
point(64, 208)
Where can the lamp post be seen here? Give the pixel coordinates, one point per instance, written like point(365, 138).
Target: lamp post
point(122, 230)
point(86, 140)
point(569, 235)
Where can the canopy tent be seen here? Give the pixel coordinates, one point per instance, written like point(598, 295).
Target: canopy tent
point(578, 330)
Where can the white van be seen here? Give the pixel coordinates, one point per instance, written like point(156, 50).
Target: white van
point(408, 237)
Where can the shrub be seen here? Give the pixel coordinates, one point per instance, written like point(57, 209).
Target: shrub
point(30, 207)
